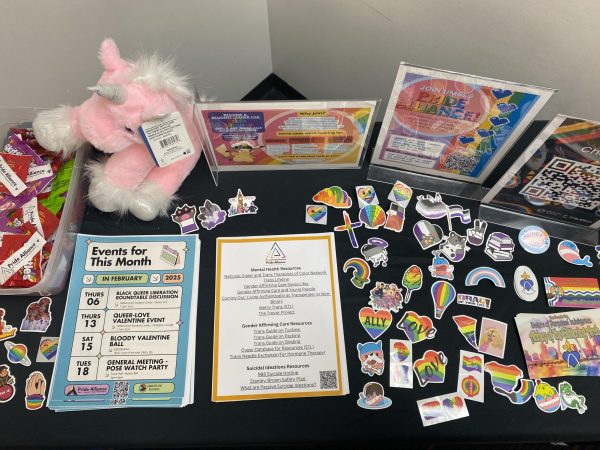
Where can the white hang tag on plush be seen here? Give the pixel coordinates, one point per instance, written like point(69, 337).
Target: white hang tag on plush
point(167, 139)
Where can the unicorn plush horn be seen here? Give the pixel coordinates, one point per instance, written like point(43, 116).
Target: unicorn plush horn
point(111, 92)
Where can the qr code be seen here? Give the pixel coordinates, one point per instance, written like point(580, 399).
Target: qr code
point(328, 379)
point(117, 401)
point(573, 184)
point(460, 162)
point(121, 389)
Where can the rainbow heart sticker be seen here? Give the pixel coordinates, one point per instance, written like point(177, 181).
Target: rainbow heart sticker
point(431, 368)
point(316, 212)
point(375, 322)
point(416, 327)
point(453, 406)
point(48, 348)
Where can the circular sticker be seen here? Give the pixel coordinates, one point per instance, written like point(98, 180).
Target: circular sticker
point(534, 239)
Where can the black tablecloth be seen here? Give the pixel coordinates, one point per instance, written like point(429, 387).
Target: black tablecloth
point(281, 197)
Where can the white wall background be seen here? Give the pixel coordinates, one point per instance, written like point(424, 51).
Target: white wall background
point(324, 48)
point(49, 48)
point(351, 48)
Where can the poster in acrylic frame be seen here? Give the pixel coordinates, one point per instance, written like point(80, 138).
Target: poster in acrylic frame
point(557, 178)
point(280, 135)
point(453, 125)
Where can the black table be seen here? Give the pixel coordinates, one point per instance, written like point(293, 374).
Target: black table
point(281, 197)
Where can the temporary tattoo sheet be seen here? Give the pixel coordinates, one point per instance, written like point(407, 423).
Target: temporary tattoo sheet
point(557, 177)
point(453, 125)
point(283, 135)
point(278, 322)
point(128, 334)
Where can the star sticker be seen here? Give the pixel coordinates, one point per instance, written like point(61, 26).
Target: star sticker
point(349, 227)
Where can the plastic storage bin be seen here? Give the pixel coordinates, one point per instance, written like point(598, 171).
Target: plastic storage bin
point(57, 269)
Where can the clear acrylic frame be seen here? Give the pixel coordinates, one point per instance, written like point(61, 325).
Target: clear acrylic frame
point(479, 118)
point(555, 183)
point(278, 135)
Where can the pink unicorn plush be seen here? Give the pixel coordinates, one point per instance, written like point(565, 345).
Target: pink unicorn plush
point(127, 94)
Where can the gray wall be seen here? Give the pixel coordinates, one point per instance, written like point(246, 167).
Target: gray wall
point(351, 48)
point(49, 48)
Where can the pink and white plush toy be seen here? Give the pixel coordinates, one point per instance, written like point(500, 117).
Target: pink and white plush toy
point(127, 94)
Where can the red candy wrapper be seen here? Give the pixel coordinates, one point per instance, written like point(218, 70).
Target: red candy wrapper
point(28, 250)
point(13, 173)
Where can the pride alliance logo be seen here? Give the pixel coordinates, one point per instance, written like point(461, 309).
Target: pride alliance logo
point(275, 255)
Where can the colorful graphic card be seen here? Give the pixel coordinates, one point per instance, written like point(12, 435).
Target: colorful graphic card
point(453, 125)
point(561, 344)
point(571, 292)
point(492, 337)
point(284, 135)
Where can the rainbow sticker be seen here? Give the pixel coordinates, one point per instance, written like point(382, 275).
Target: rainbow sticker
point(443, 294)
point(467, 326)
point(431, 367)
point(521, 395)
point(504, 377)
point(416, 327)
point(401, 194)
point(484, 273)
point(399, 351)
point(333, 196)
point(372, 216)
point(360, 271)
point(17, 353)
point(375, 322)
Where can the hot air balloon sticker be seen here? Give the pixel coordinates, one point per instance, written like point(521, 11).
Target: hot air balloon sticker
point(372, 216)
point(412, 280)
point(361, 271)
point(443, 294)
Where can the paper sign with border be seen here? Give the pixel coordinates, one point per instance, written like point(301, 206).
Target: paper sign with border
point(288, 135)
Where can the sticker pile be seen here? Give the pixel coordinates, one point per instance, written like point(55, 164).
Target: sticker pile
point(485, 335)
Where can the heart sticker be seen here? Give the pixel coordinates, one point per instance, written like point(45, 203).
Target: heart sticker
point(485, 133)
point(316, 212)
point(499, 121)
point(464, 140)
point(416, 327)
point(48, 348)
point(431, 368)
point(375, 322)
point(501, 93)
point(453, 406)
point(506, 108)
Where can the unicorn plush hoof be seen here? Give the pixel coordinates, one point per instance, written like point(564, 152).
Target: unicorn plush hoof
point(103, 193)
point(52, 129)
point(150, 201)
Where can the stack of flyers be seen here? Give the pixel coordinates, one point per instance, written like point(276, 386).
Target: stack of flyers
point(500, 247)
point(129, 330)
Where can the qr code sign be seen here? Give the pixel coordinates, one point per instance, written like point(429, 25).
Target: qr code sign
point(328, 379)
point(572, 183)
point(121, 389)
